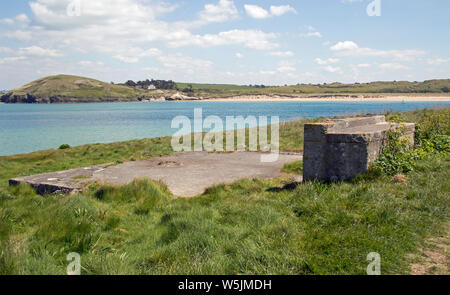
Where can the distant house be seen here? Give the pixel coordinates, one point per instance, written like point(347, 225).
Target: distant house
point(151, 87)
point(4, 91)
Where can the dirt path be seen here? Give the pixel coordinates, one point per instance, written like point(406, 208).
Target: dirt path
point(434, 258)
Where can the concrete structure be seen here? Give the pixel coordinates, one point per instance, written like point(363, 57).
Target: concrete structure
point(344, 148)
point(185, 174)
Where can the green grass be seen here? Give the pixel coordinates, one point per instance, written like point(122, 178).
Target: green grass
point(293, 168)
point(249, 227)
point(81, 156)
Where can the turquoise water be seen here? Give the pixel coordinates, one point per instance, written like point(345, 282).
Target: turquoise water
point(26, 128)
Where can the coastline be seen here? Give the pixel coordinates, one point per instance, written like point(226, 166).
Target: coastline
point(330, 98)
point(368, 97)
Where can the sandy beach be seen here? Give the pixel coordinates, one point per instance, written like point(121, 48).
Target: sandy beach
point(351, 98)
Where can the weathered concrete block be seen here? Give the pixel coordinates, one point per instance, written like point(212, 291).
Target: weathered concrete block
point(341, 149)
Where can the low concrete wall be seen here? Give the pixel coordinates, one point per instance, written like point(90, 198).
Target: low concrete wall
point(344, 148)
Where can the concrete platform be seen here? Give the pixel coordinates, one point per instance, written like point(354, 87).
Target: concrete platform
point(186, 174)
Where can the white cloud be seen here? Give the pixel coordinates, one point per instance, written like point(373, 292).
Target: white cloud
point(19, 35)
point(392, 66)
point(438, 61)
point(52, 12)
point(151, 52)
point(7, 21)
point(39, 51)
point(364, 65)
point(239, 55)
point(11, 59)
point(345, 46)
point(88, 63)
point(281, 53)
point(6, 50)
point(326, 61)
point(115, 26)
point(252, 39)
point(21, 19)
point(225, 10)
point(280, 10)
point(332, 69)
point(183, 62)
point(267, 72)
point(127, 59)
point(286, 67)
point(258, 12)
point(135, 54)
point(311, 34)
point(350, 48)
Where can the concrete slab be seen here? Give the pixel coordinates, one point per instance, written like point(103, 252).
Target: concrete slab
point(186, 174)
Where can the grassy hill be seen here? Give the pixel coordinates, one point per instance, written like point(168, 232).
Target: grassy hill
point(66, 88)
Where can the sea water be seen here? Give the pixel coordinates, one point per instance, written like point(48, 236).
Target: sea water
point(26, 128)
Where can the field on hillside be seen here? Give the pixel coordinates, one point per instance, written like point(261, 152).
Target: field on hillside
point(197, 86)
point(381, 88)
point(248, 227)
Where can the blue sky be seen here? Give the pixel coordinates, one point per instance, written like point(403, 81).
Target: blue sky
point(224, 41)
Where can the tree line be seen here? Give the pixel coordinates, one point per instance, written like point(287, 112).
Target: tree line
point(159, 84)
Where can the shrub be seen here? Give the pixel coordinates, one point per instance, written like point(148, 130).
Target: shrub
point(396, 156)
point(431, 138)
point(64, 147)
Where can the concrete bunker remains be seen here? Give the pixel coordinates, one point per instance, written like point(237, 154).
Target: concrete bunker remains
point(341, 149)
